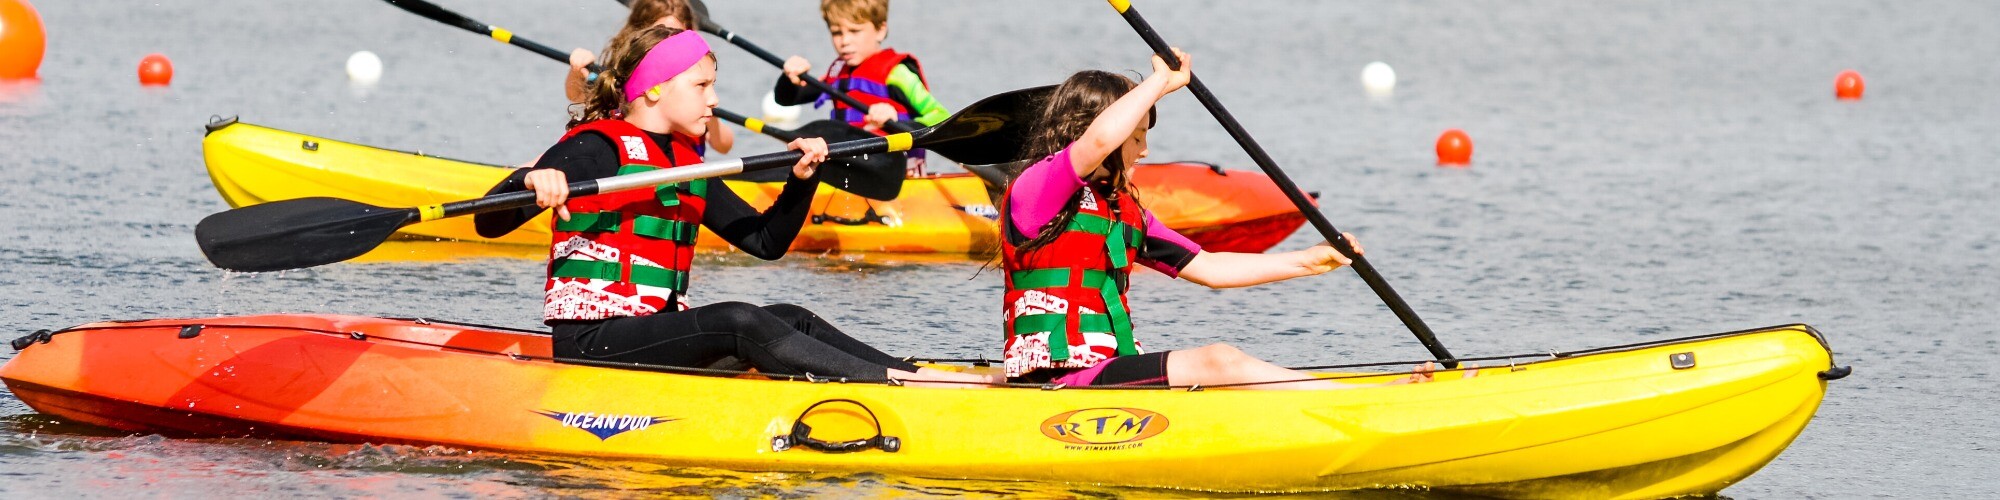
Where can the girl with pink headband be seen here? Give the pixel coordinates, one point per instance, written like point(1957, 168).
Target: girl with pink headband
point(620, 263)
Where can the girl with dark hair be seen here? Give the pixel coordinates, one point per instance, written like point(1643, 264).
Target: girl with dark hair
point(1073, 229)
point(619, 263)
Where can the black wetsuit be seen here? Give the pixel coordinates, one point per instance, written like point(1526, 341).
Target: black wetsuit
point(782, 339)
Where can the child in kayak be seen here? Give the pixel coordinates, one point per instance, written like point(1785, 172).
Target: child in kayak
point(889, 82)
point(619, 262)
point(676, 14)
point(1074, 228)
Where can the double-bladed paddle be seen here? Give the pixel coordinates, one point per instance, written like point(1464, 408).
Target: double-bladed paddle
point(308, 232)
point(1298, 197)
point(875, 176)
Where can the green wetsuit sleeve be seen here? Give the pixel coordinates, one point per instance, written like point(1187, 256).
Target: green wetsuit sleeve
point(923, 107)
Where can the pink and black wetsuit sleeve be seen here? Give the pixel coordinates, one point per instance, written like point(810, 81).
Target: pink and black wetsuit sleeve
point(1042, 190)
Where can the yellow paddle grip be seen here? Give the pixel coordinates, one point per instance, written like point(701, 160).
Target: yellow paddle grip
point(755, 125)
point(899, 142)
point(430, 213)
point(505, 36)
point(1121, 5)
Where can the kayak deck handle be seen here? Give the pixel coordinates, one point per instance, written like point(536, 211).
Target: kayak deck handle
point(801, 434)
point(43, 336)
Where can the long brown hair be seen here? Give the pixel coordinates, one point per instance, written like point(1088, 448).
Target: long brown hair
point(648, 12)
point(1064, 117)
point(606, 98)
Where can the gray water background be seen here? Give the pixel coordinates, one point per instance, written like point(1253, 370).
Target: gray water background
point(1644, 170)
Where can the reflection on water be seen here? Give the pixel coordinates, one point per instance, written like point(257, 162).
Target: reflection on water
point(431, 250)
point(20, 95)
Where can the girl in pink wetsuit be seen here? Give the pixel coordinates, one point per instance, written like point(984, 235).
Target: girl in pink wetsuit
point(1093, 131)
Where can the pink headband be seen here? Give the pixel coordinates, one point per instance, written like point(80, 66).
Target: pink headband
point(668, 58)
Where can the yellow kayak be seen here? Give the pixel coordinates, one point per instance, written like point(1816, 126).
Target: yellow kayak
point(942, 214)
point(1669, 418)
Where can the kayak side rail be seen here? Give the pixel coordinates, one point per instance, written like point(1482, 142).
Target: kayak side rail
point(190, 328)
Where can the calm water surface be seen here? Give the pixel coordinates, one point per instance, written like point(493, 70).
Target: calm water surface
point(1645, 170)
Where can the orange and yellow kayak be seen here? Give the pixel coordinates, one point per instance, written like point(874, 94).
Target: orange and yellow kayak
point(943, 214)
point(1667, 418)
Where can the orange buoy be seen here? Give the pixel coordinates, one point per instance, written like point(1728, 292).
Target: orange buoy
point(1454, 148)
point(1848, 86)
point(21, 40)
point(155, 69)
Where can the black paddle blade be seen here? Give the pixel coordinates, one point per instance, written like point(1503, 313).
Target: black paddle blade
point(998, 175)
point(993, 130)
point(832, 131)
point(876, 176)
point(294, 234)
point(853, 175)
point(700, 12)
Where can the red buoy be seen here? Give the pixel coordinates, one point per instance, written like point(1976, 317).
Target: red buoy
point(21, 40)
point(155, 69)
point(1454, 148)
point(1848, 86)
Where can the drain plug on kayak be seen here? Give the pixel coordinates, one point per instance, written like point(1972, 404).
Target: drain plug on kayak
point(1681, 360)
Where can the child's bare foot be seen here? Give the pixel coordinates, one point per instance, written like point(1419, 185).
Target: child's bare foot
point(1468, 370)
point(1428, 373)
point(1422, 373)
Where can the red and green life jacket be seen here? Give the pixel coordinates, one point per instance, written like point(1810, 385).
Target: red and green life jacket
point(1084, 267)
point(626, 253)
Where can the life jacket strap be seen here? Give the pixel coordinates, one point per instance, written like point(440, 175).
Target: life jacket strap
point(663, 229)
point(610, 271)
point(594, 222)
point(1055, 322)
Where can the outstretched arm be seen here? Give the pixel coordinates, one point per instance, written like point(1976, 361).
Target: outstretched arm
point(1232, 270)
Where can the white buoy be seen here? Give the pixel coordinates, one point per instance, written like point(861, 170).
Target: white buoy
point(1379, 79)
point(778, 114)
point(364, 68)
